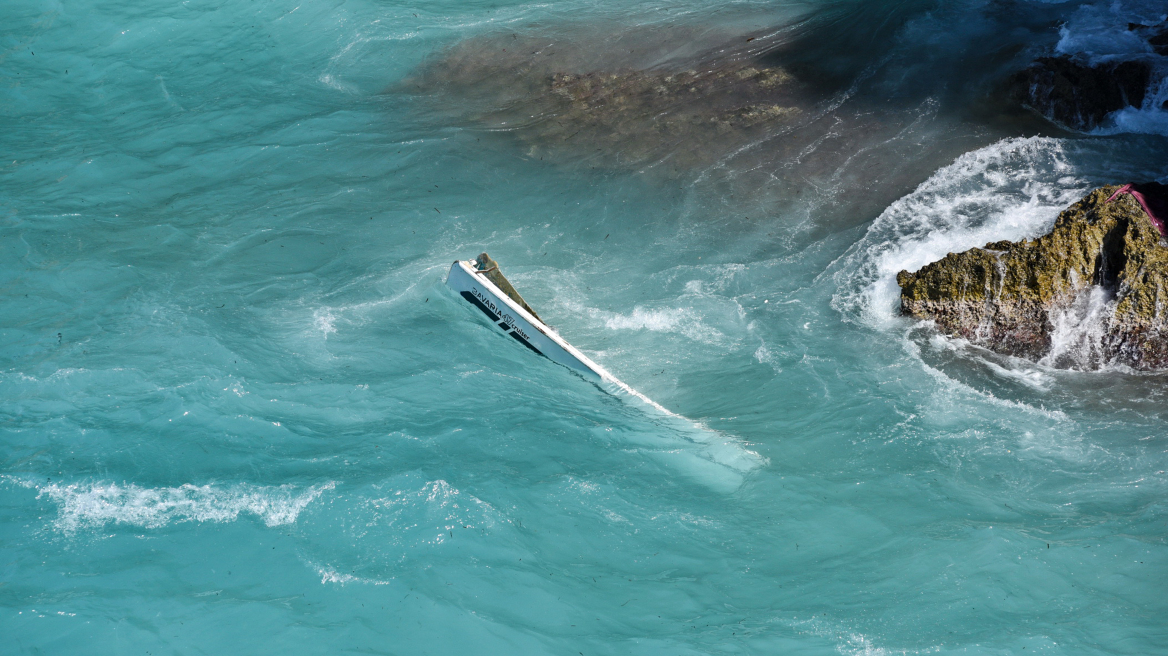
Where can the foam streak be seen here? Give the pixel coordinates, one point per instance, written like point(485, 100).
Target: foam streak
point(93, 505)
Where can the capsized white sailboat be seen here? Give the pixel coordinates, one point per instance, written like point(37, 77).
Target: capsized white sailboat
point(482, 285)
point(473, 284)
point(494, 295)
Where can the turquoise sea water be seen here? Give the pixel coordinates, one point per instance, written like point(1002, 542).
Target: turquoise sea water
point(241, 414)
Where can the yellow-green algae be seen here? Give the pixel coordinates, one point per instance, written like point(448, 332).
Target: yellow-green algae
point(1002, 296)
point(491, 269)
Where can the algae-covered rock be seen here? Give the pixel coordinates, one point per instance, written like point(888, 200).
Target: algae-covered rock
point(1091, 292)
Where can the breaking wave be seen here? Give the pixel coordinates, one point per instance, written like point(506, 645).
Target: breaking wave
point(1009, 190)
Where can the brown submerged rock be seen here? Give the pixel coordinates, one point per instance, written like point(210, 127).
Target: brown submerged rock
point(1015, 297)
point(563, 98)
point(636, 112)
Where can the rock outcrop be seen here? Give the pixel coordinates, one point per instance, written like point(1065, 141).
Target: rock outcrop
point(1094, 291)
point(1076, 95)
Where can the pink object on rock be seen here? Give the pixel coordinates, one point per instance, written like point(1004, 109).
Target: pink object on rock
point(1153, 197)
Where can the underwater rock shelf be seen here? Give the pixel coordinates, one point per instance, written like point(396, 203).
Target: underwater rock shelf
point(1099, 279)
point(691, 114)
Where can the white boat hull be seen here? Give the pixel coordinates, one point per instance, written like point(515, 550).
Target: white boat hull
point(512, 319)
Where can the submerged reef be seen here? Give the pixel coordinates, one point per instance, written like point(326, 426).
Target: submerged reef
point(781, 113)
point(636, 113)
point(1092, 292)
point(629, 109)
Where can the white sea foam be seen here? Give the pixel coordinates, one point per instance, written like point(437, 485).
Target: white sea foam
point(764, 356)
point(324, 321)
point(856, 644)
point(405, 523)
point(1076, 341)
point(642, 319)
point(1099, 32)
point(1012, 190)
point(851, 643)
point(1030, 376)
point(327, 318)
point(429, 512)
point(703, 312)
point(93, 505)
point(1148, 118)
point(330, 575)
point(950, 386)
point(684, 321)
point(945, 397)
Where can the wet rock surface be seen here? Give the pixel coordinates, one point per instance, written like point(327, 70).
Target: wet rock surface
point(1159, 42)
point(1077, 95)
point(1092, 292)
